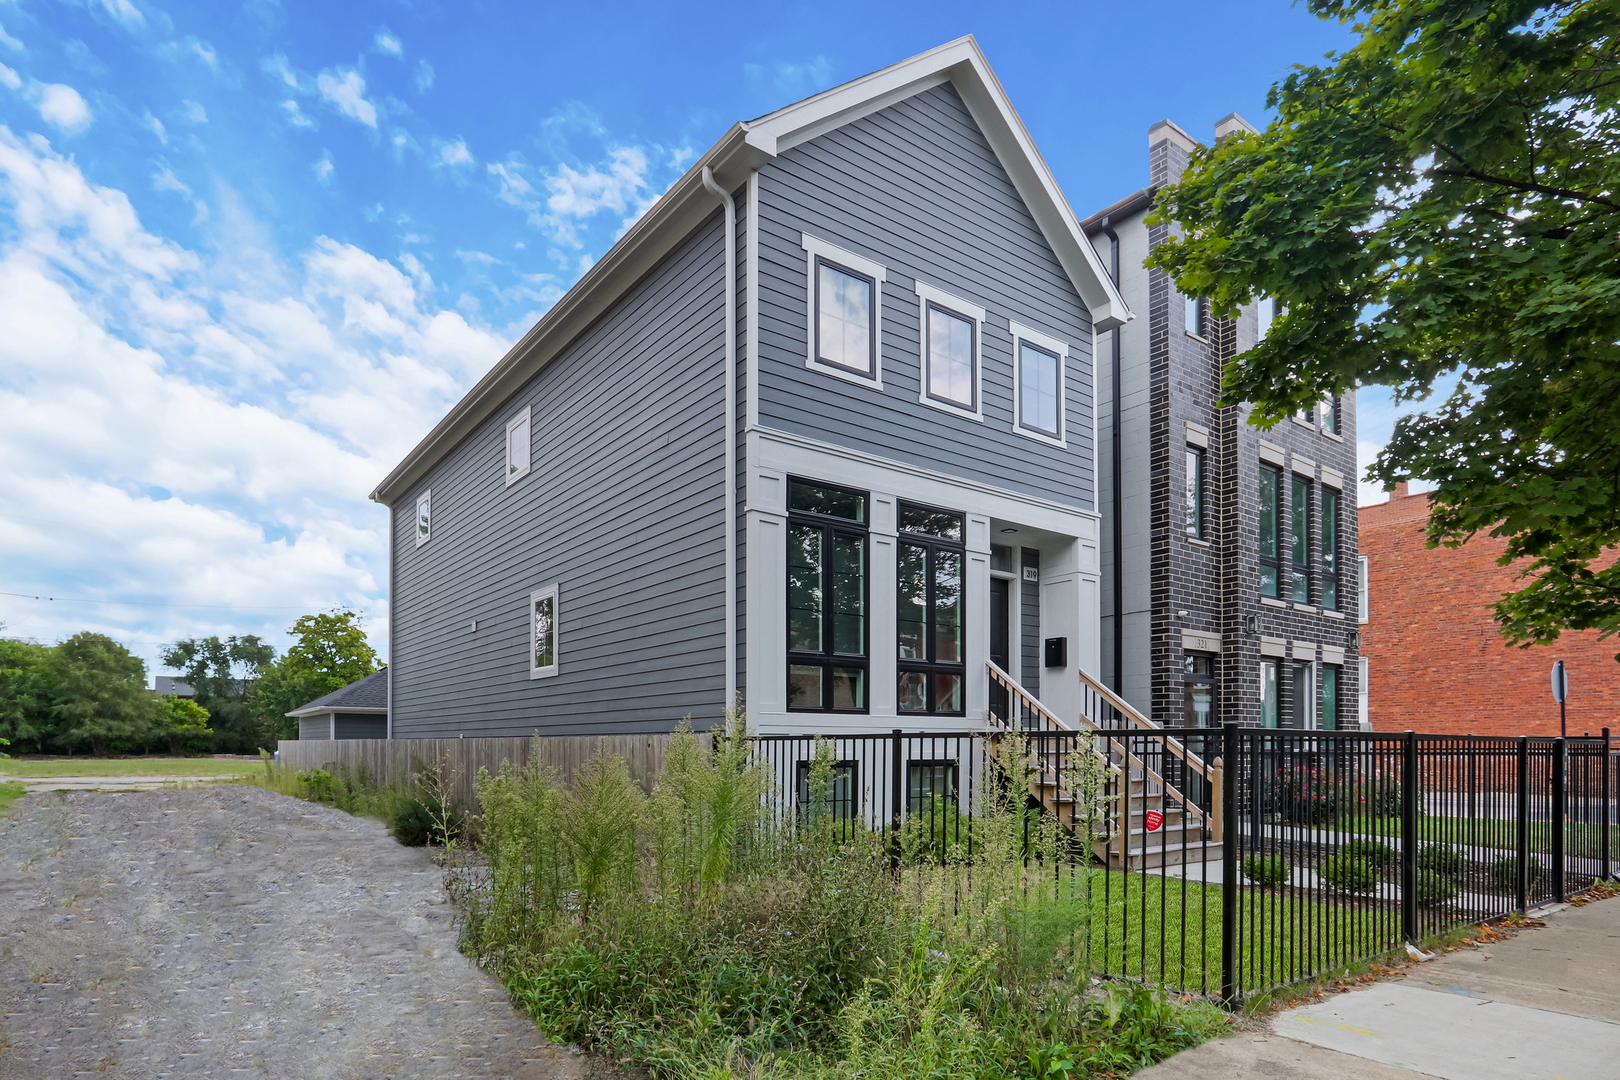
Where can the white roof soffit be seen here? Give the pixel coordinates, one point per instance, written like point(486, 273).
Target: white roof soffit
point(322, 709)
point(743, 149)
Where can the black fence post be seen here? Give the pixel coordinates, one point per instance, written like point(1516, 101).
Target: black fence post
point(1522, 841)
point(1409, 836)
point(1559, 815)
point(896, 786)
point(1605, 793)
point(1231, 830)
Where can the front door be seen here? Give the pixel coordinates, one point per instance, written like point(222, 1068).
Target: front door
point(1000, 640)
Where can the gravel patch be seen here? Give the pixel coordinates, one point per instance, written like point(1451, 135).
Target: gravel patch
point(233, 932)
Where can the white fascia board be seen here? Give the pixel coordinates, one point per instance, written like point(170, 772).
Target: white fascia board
point(307, 711)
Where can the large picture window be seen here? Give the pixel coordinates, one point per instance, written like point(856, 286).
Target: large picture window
point(1270, 520)
point(827, 598)
point(1328, 558)
point(845, 329)
point(931, 562)
point(543, 632)
point(1299, 541)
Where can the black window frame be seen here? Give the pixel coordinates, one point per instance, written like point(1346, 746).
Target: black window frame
point(1275, 666)
point(929, 666)
point(1301, 689)
point(1335, 673)
point(929, 308)
point(1273, 562)
point(1300, 498)
point(1191, 677)
point(848, 767)
point(1194, 491)
point(1328, 414)
point(914, 801)
point(1021, 344)
point(1327, 546)
point(828, 659)
point(871, 370)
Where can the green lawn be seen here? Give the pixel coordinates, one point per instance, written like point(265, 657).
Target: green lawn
point(132, 766)
point(10, 792)
point(1579, 838)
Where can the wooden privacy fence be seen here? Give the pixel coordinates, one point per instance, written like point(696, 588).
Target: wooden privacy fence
point(401, 761)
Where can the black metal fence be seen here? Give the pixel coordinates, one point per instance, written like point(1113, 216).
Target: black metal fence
point(1236, 860)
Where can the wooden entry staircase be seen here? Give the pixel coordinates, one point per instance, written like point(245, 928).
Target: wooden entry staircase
point(1135, 793)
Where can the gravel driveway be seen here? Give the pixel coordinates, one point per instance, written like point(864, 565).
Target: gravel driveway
point(230, 931)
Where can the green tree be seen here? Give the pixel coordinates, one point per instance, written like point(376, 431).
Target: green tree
point(222, 672)
point(1438, 209)
point(184, 725)
point(27, 693)
point(101, 696)
point(331, 652)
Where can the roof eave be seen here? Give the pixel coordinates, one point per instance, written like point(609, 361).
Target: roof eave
point(310, 710)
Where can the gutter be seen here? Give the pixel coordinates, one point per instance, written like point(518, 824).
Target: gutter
point(1116, 468)
point(730, 434)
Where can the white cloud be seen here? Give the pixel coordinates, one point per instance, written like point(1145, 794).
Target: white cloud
point(455, 153)
point(194, 112)
point(346, 90)
point(323, 169)
point(387, 42)
point(477, 257)
point(424, 76)
point(277, 67)
point(9, 42)
point(296, 116)
point(204, 52)
point(124, 11)
point(156, 127)
point(60, 105)
point(165, 180)
point(10, 79)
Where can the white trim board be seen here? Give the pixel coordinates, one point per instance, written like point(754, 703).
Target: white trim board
point(817, 248)
point(1021, 333)
point(928, 294)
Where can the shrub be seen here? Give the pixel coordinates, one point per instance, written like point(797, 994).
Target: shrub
point(422, 821)
point(1371, 852)
point(1347, 872)
point(1271, 871)
point(1432, 888)
point(1441, 858)
point(1380, 795)
point(1504, 873)
point(1306, 794)
point(318, 785)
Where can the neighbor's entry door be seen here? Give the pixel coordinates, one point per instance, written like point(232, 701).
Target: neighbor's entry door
point(1000, 640)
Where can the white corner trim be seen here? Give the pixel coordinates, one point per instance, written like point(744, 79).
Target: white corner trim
point(522, 419)
point(928, 294)
point(1021, 333)
point(817, 248)
point(751, 298)
point(535, 671)
point(423, 500)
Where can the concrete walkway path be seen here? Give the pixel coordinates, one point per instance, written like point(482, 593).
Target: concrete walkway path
point(1543, 1005)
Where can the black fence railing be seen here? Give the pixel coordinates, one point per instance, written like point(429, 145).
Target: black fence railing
point(1236, 860)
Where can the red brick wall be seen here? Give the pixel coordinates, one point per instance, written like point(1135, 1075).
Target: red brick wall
point(1436, 659)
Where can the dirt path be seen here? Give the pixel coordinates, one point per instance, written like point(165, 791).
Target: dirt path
point(230, 931)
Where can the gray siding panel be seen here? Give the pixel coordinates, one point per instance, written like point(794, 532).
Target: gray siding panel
point(360, 726)
point(623, 509)
point(917, 188)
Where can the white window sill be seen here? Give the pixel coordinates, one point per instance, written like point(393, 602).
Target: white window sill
point(1329, 435)
point(1269, 602)
point(1309, 608)
point(1197, 542)
point(955, 410)
point(1198, 337)
point(1304, 423)
point(1332, 614)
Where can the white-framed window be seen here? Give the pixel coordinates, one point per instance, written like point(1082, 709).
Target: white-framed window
point(952, 334)
point(1362, 690)
point(1196, 314)
point(1039, 378)
point(424, 517)
point(517, 447)
point(1361, 588)
point(844, 327)
point(543, 632)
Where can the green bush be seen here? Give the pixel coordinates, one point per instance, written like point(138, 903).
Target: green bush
point(1306, 794)
point(1346, 871)
point(421, 821)
point(1441, 858)
point(318, 785)
point(1432, 888)
point(1371, 852)
point(1272, 871)
point(1504, 873)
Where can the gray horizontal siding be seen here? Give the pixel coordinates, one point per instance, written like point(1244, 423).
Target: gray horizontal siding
point(623, 509)
point(917, 188)
point(360, 726)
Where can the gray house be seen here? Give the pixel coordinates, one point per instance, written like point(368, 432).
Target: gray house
point(817, 434)
point(356, 711)
point(1229, 569)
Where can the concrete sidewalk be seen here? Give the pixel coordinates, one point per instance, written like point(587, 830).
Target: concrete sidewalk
point(1543, 1005)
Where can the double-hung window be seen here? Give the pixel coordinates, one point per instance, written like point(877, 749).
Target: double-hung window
point(517, 447)
point(844, 330)
point(931, 561)
point(1328, 553)
point(1270, 522)
point(1039, 384)
point(950, 352)
point(827, 598)
point(543, 632)
point(424, 518)
point(1299, 541)
point(1193, 502)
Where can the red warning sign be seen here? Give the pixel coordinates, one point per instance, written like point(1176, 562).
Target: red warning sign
point(1153, 820)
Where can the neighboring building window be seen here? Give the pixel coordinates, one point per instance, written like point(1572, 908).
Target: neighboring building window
point(929, 617)
point(1195, 492)
point(1270, 522)
point(827, 582)
point(1329, 553)
point(845, 329)
point(838, 801)
point(952, 354)
point(1361, 588)
point(1363, 690)
point(930, 786)
point(1330, 697)
point(1330, 414)
point(1266, 314)
point(424, 518)
point(1040, 378)
point(1268, 693)
point(1299, 541)
point(543, 632)
point(1195, 315)
point(1306, 416)
point(517, 447)
point(1303, 680)
point(1198, 683)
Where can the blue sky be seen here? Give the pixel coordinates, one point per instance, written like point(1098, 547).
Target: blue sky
point(249, 253)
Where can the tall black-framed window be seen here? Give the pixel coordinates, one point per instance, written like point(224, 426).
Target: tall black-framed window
point(930, 574)
point(1330, 697)
point(1328, 555)
point(846, 332)
point(1270, 531)
point(827, 598)
point(1299, 540)
point(1194, 497)
point(1269, 694)
point(1196, 314)
point(1329, 414)
point(1198, 685)
point(1302, 694)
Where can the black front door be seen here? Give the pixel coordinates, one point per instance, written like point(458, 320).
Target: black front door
point(1000, 640)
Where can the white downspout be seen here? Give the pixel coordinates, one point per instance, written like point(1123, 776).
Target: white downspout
point(730, 433)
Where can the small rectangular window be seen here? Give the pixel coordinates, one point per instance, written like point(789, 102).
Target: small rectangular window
point(1194, 497)
point(1268, 693)
point(1040, 390)
point(838, 801)
point(1328, 549)
point(1303, 678)
point(1362, 690)
point(424, 517)
point(952, 358)
point(517, 447)
point(1195, 315)
point(543, 632)
point(1299, 542)
point(1270, 489)
point(1198, 684)
point(1328, 414)
point(845, 329)
point(930, 786)
point(1266, 314)
point(1361, 588)
point(1330, 697)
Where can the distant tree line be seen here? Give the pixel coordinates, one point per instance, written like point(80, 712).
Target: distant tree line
point(89, 693)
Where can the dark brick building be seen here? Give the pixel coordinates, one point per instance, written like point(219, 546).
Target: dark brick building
point(1228, 552)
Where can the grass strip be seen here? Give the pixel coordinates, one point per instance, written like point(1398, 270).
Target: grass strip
point(33, 768)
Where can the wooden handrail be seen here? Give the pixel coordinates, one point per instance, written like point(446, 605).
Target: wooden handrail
point(1126, 709)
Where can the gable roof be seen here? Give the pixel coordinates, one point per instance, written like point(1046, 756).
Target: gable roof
point(748, 145)
point(369, 694)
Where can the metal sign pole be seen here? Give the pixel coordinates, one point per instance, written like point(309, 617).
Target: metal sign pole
point(1560, 691)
